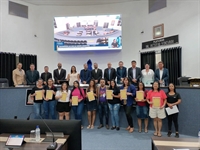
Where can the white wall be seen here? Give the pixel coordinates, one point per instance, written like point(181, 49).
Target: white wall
point(180, 17)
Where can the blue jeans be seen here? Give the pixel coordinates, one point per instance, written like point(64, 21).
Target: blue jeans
point(103, 111)
point(49, 108)
point(37, 110)
point(78, 110)
point(114, 112)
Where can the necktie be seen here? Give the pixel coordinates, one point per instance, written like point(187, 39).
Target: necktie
point(109, 74)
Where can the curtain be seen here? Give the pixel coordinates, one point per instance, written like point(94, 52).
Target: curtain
point(148, 57)
point(7, 65)
point(171, 58)
point(26, 60)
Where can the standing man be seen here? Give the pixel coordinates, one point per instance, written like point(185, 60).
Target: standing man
point(46, 75)
point(134, 73)
point(85, 75)
point(96, 73)
point(162, 74)
point(32, 75)
point(121, 73)
point(109, 74)
point(19, 77)
point(59, 74)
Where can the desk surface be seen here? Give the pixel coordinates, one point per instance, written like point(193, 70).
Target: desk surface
point(33, 145)
point(169, 143)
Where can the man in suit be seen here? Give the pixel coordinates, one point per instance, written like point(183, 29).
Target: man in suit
point(46, 75)
point(121, 73)
point(109, 74)
point(85, 75)
point(32, 75)
point(134, 73)
point(59, 74)
point(162, 74)
point(96, 73)
point(19, 77)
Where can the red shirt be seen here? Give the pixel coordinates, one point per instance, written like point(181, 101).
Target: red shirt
point(143, 103)
point(160, 94)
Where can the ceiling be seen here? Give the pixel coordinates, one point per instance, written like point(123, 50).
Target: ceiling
point(75, 2)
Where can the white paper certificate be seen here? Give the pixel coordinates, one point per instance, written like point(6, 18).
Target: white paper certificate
point(173, 110)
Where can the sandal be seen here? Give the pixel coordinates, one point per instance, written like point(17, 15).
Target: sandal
point(88, 127)
point(128, 128)
point(145, 130)
point(131, 130)
point(159, 134)
point(92, 127)
point(155, 134)
point(140, 130)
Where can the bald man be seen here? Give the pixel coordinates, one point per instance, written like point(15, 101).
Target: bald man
point(109, 74)
point(59, 74)
point(19, 77)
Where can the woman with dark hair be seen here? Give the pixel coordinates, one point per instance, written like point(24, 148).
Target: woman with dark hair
point(114, 105)
point(73, 76)
point(77, 91)
point(155, 97)
point(49, 104)
point(91, 105)
point(37, 103)
point(142, 109)
point(147, 75)
point(130, 91)
point(173, 99)
point(63, 106)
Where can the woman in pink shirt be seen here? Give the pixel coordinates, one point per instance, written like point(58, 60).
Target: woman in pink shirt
point(77, 91)
point(154, 97)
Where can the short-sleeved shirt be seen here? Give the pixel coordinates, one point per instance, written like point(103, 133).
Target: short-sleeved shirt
point(160, 94)
point(143, 103)
point(173, 98)
point(33, 91)
point(115, 100)
point(59, 93)
point(53, 88)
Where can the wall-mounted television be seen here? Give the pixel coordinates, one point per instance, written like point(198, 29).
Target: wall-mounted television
point(88, 33)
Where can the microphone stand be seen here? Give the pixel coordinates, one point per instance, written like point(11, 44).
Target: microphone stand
point(53, 145)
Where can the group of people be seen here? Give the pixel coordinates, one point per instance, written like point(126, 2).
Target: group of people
point(134, 74)
point(99, 86)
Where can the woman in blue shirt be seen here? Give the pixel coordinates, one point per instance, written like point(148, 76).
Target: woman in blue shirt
point(130, 91)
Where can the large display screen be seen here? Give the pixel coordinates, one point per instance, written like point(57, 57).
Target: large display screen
point(88, 33)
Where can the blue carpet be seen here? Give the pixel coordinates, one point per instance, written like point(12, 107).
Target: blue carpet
point(103, 139)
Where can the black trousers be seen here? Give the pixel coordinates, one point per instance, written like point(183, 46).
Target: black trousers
point(129, 118)
point(174, 118)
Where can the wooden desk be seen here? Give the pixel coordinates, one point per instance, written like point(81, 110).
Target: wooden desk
point(170, 143)
point(33, 145)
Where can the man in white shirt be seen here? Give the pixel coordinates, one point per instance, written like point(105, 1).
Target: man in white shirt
point(162, 74)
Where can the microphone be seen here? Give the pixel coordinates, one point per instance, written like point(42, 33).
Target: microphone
point(53, 145)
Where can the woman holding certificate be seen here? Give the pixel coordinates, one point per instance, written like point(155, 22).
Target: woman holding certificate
point(63, 106)
point(157, 100)
point(114, 104)
point(91, 103)
point(141, 108)
point(49, 103)
point(127, 94)
point(77, 99)
point(173, 99)
point(38, 93)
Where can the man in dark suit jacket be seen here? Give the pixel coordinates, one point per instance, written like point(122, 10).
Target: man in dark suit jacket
point(32, 75)
point(59, 74)
point(96, 73)
point(134, 73)
point(162, 74)
point(109, 74)
point(121, 73)
point(46, 75)
point(85, 75)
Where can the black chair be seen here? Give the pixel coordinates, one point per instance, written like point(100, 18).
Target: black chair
point(4, 82)
point(183, 81)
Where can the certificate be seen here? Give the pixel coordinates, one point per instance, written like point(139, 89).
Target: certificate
point(170, 111)
point(123, 94)
point(74, 100)
point(90, 96)
point(109, 94)
point(49, 94)
point(140, 95)
point(38, 95)
point(64, 96)
point(156, 102)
